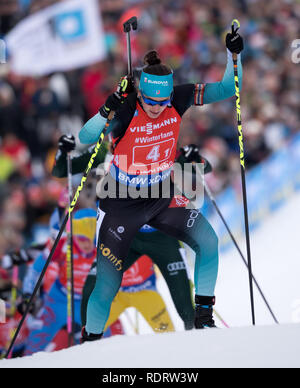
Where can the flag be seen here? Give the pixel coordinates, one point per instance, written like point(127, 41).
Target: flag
point(62, 37)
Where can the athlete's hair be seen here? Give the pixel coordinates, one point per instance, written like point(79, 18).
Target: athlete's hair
point(154, 66)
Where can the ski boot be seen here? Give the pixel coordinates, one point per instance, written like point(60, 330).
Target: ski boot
point(204, 312)
point(85, 337)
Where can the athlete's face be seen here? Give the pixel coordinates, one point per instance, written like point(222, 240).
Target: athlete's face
point(153, 111)
point(84, 244)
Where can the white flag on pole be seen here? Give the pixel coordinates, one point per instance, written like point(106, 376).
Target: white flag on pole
point(61, 37)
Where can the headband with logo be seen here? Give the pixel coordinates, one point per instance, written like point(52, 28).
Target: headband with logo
point(156, 85)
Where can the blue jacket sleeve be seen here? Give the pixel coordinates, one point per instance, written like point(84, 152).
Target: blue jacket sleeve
point(92, 129)
point(218, 91)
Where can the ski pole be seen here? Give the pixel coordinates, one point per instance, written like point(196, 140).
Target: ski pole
point(133, 326)
point(13, 300)
point(70, 262)
point(221, 319)
point(211, 197)
point(61, 230)
point(127, 26)
point(137, 321)
point(242, 162)
point(14, 290)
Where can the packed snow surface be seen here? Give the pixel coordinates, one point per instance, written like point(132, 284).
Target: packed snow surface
point(263, 346)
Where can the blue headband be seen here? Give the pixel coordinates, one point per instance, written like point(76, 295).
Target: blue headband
point(156, 85)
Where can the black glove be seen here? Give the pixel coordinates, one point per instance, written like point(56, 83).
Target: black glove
point(16, 258)
point(115, 100)
point(234, 42)
point(66, 143)
point(125, 86)
point(21, 307)
point(190, 154)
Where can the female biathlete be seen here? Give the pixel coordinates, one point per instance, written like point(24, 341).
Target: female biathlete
point(164, 250)
point(145, 132)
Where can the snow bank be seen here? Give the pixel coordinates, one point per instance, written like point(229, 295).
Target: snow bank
point(258, 347)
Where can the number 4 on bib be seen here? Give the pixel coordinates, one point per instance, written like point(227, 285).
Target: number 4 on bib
point(154, 154)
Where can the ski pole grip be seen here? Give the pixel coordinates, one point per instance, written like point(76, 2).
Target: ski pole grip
point(130, 23)
point(238, 25)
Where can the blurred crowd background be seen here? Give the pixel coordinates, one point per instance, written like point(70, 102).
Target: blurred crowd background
point(189, 36)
